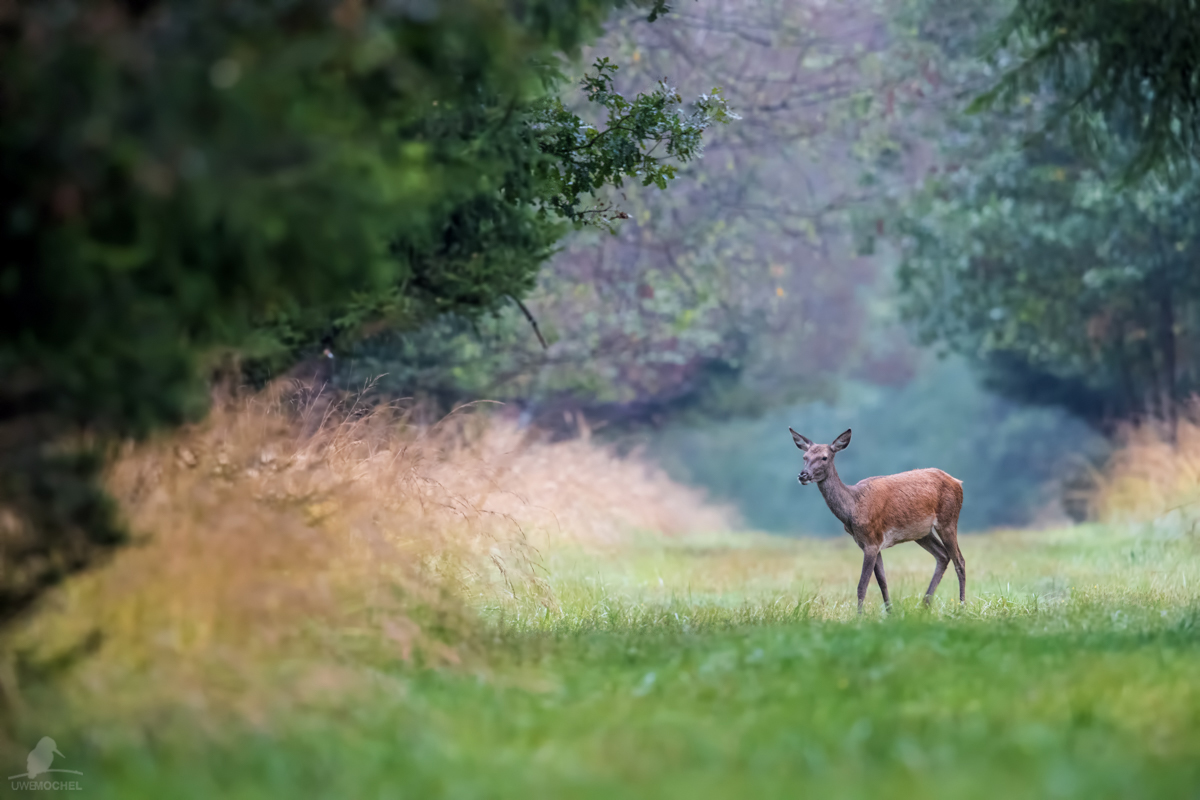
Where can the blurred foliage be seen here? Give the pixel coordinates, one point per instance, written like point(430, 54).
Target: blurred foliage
point(176, 172)
point(1067, 282)
point(1076, 290)
point(1012, 459)
point(547, 164)
point(739, 289)
point(1117, 67)
point(191, 187)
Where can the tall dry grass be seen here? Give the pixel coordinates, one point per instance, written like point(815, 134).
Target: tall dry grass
point(270, 536)
point(1148, 476)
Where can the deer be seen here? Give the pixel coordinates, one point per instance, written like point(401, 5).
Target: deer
point(920, 505)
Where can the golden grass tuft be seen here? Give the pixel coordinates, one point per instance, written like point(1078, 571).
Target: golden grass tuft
point(267, 536)
point(1147, 476)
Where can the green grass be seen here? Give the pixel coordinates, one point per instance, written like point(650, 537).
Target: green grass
point(737, 667)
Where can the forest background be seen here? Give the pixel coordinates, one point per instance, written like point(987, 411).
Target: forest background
point(204, 196)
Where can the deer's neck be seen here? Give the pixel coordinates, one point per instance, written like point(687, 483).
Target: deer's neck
point(838, 496)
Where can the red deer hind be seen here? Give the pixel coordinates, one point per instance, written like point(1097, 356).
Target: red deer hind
point(919, 506)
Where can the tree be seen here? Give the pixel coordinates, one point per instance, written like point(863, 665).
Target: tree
point(737, 290)
point(1068, 283)
point(1129, 69)
point(1070, 289)
point(190, 183)
point(546, 164)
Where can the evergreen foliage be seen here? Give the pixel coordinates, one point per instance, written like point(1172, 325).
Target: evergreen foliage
point(1130, 68)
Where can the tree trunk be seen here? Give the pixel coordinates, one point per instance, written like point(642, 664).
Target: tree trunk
point(1166, 345)
point(1128, 387)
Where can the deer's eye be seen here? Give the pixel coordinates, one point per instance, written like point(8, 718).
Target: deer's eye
point(822, 458)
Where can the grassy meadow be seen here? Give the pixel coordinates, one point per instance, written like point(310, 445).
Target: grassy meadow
point(643, 665)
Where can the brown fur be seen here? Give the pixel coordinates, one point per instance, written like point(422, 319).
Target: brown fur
point(905, 500)
point(920, 506)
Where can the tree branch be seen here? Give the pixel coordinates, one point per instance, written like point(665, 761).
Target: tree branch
point(532, 321)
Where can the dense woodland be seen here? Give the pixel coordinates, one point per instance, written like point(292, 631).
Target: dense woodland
point(610, 216)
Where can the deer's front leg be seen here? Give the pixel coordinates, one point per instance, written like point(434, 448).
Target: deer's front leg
point(881, 579)
point(869, 556)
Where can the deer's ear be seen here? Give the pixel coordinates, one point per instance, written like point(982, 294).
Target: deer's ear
point(801, 442)
point(841, 442)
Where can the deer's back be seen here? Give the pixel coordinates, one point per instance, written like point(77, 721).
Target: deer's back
point(903, 506)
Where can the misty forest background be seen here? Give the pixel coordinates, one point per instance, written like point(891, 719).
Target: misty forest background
point(676, 229)
point(761, 290)
point(821, 267)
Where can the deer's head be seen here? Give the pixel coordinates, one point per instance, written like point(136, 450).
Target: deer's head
point(818, 458)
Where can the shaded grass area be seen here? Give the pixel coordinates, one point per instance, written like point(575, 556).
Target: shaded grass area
point(736, 667)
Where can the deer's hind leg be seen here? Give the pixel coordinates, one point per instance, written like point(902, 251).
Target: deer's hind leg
point(960, 563)
point(935, 548)
point(947, 530)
